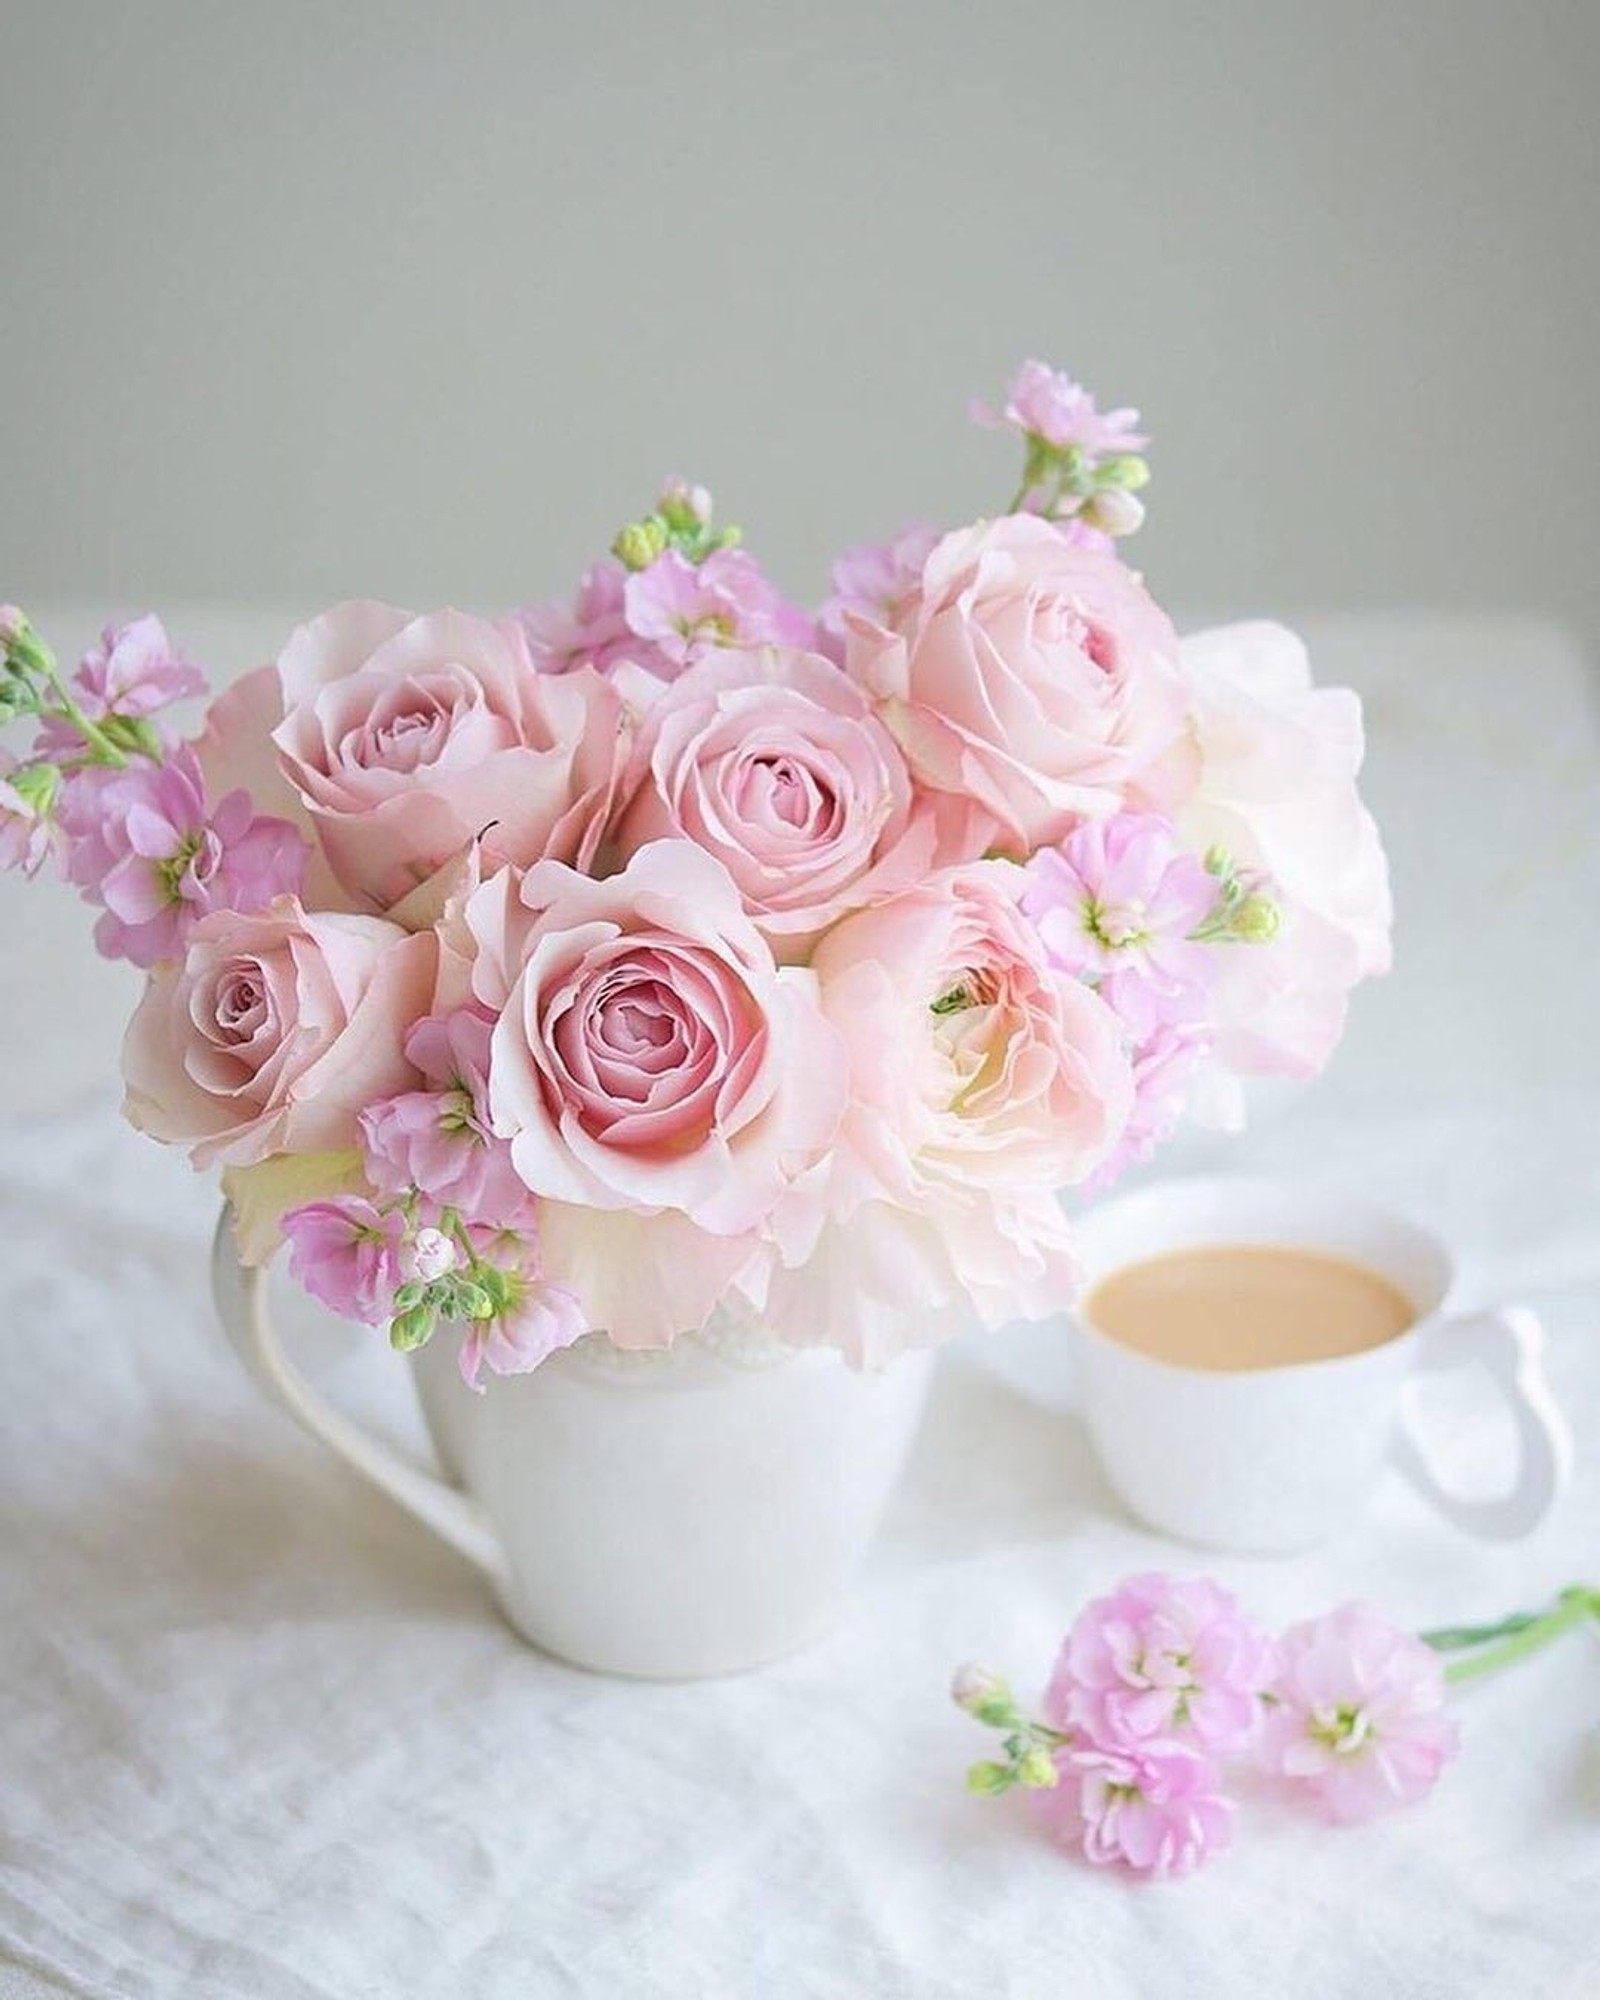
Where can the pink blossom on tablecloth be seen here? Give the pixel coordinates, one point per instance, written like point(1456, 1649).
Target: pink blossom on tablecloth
point(1357, 1715)
point(347, 1255)
point(144, 841)
point(1154, 1808)
point(1162, 1658)
point(440, 1140)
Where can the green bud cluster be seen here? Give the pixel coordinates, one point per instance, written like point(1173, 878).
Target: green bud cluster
point(1244, 912)
point(1065, 481)
point(681, 520)
point(1029, 1745)
point(475, 1290)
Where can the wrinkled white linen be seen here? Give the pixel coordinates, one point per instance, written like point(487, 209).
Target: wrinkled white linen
point(259, 1737)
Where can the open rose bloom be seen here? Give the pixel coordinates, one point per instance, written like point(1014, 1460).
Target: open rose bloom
point(669, 947)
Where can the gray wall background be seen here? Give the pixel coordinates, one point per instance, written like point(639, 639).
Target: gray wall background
point(420, 301)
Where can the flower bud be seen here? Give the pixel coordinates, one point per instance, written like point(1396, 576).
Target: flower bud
point(1256, 920)
point(1115, 512)
point(684, 507)
point(1037, 1769)
point(1130, 473)
point(412, 1329)
point(429, 1255)
point(640, 542)
point(989, 1780)
point(13, 623)
point(973, 1687)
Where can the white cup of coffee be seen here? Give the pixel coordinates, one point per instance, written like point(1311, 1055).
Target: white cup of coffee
point(1246, 1354)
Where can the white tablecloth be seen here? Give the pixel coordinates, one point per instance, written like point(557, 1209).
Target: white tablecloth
point(260, 1739)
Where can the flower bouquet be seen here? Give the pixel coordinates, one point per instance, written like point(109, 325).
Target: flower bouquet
point(628, 965)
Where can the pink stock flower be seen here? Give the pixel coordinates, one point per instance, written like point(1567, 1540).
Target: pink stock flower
point(1165, 1658)
point(275, 1032)
point(347, 1255)
point(1154, 1808)
point(876, 582)
point(1045, 402)
point(28, 837)
point(1276, 790)
point(1120, 895)
point(143, 841)
point(439, 1139)
point(1037, 678)
point(774, 762)
point(687, 610)
point(407, 738)
point(1166, 1060)
point(662, 1082)
point(981, 1081)
point(588, 630)
point(542, 1318)
point(1357, 1715)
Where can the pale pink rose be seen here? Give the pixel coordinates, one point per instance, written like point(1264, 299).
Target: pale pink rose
point(1039, 678)
point(662, 1083)
point(1277, 790)
point(274, 1032)
point(404, 738)
point(981, 1081)
point(1358, 1717)
point(774, 762)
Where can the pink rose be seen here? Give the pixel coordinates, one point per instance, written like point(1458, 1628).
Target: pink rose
point(404, 738)
point(275, 1031)
point(1277, 790)
point(1037, 677)
point(662, 1083)
point(981, 1081)
point(774, 762)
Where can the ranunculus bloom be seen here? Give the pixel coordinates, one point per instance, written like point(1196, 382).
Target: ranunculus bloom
point(1039, 678)
point(982, 1080)
point(1277, 790)
point(274, 1032)
point(144, 842)
point(1153, 1808)
point(1162, 1657)
point(347, 1255)
point(1357, 1714)
point(774, 762)
point(406, 737)
point(663, 1084)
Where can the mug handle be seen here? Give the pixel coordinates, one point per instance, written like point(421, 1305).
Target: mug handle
point(1509, 1343)
point(240, 1293)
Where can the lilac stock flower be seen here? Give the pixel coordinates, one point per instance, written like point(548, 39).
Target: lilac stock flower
point(347, 1255)
point(1162, 1659)
point(143, 841)
point(28, 836)
point(1045, 402)
point(588, 630)
point(686, 610)
point(133, 672)
point(439, 1139)
point(1121, 896)
point(1357, 1715)
point(540, 1319)
point(1154, 1808)
point(875, 582)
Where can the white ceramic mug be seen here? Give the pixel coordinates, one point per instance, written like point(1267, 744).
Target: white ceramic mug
point(1280, 1458)
point(667, 1515)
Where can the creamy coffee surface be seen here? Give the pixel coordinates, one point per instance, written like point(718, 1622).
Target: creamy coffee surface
point(1236, 1306)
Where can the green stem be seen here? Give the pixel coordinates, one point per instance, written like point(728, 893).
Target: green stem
point(1524, 1634)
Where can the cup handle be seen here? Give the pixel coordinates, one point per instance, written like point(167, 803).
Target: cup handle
point(1509, 1343)
point(241, 1300)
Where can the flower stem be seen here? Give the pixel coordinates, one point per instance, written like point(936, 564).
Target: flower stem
point(1515, 1637)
